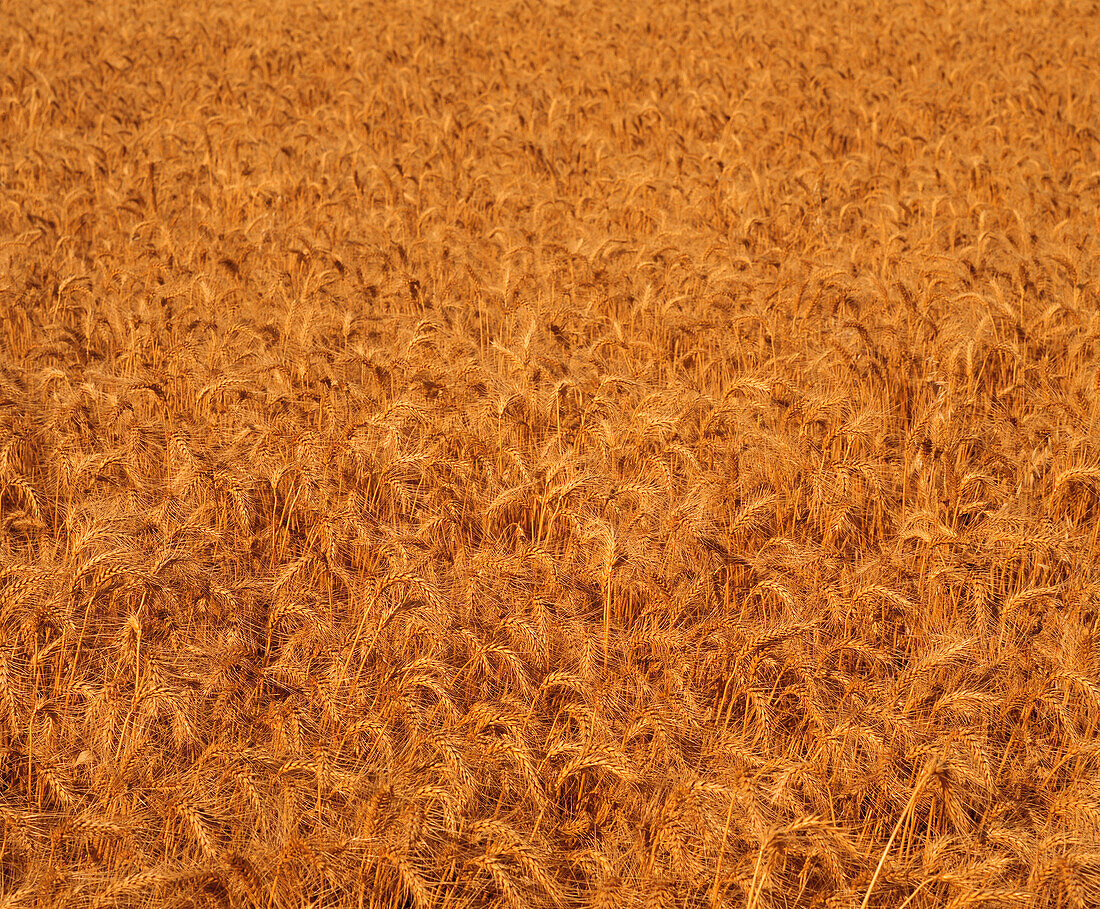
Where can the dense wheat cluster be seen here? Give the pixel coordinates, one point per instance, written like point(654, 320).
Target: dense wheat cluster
point(549, 455)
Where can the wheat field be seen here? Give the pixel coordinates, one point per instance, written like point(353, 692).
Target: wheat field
point(549, 454)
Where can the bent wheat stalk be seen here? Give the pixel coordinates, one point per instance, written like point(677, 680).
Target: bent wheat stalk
point(925, 776)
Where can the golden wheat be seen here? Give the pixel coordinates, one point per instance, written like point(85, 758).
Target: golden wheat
point(549, 455)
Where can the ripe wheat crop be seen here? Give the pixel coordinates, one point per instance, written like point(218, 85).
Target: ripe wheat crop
point(513, 454)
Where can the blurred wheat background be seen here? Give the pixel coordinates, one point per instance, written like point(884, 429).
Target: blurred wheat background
point(549, 454)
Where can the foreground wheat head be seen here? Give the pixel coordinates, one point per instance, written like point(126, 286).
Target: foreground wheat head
point(549, 455)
